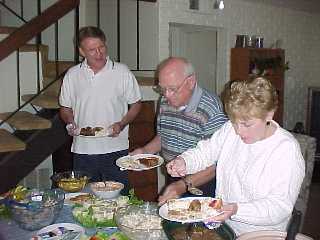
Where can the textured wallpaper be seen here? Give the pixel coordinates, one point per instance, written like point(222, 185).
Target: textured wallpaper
point(297, 32)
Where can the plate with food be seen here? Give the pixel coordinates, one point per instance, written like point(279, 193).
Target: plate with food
point(94, 132)
point(78, 198)
point(139, 162)
point(61, 231)
point(191, 209)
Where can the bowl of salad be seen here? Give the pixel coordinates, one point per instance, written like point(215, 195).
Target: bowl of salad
point(37, 209)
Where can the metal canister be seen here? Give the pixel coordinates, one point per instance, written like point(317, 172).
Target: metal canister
point(251, 41)
point(242, 41)
point(259, 42)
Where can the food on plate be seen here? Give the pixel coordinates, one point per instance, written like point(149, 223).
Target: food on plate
point(106, 186)
point(139, 162)
point(216, 203)
point(194, 233)
point(90, 131)
point(99, 212)
point(59, 233)
point(82, 198)
point(195, 205)
point(187, 209)
point(149, 161)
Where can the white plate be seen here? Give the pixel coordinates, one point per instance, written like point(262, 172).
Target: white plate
point(131, 163)
point(105, 132)
point(68, 196)
point(54, 227)
point(205, 213)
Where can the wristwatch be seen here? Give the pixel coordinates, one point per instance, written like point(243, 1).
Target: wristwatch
point(187, 181)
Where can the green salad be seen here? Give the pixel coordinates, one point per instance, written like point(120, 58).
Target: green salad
point(99, 212)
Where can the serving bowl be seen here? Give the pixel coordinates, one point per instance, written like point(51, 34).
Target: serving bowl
point(140, 222)
point(71, 181)
point(106, 189)
point(46, 206)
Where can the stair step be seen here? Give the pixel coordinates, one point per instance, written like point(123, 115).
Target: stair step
point(43, 49)
point(50, 67)
point(26, 121)
point(43, 100)
point(54, 89)
point(10, 143)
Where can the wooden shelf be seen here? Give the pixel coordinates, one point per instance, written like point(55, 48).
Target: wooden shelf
point(242, 58)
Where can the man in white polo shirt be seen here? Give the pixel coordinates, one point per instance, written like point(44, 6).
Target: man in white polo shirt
point(96, 93)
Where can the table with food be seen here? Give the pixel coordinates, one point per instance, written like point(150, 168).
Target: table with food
point(84, 210)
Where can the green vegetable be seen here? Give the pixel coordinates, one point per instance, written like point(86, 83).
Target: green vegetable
point(107, 223)
point(4, 211)
point(18, 193)
point(102, 235)
point(87, 219)
point(118, 236)
point(133, 199)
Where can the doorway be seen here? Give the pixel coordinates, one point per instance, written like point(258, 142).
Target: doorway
point(198, 44)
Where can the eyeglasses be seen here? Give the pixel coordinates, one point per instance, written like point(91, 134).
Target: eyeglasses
point(171, 90)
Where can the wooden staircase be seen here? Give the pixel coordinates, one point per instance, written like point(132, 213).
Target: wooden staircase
point(29, 137)
point(23, 120)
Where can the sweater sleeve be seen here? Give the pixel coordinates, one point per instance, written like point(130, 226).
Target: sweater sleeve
point(206, 152)
point(286, 172)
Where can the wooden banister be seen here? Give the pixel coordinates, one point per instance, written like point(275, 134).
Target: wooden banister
point(35, 26)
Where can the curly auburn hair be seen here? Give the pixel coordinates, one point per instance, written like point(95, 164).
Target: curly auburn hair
point(255, 97)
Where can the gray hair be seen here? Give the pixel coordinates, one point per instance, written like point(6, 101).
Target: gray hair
point(189, 69)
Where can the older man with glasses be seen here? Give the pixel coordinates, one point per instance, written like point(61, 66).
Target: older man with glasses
point(187, 115)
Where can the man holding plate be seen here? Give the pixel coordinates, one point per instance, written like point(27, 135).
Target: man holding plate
point(95, 94)
point(187, 115)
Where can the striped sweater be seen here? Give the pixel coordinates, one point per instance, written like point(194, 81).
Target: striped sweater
point(181, 130)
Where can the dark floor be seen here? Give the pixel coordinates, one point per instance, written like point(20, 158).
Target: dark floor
point(311, 225)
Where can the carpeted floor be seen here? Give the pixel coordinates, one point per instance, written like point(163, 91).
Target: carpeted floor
point(311, 225)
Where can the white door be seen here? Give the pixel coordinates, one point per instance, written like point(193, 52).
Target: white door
point(199, 45)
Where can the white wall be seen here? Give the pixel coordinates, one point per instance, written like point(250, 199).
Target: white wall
point(148, 24)
point(299, 31)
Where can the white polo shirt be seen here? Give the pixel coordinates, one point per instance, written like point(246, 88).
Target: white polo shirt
point(99, 99)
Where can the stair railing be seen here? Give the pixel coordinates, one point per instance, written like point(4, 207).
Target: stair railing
point(32, 29)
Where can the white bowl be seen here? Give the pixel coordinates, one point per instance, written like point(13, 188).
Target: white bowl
point(106, 189)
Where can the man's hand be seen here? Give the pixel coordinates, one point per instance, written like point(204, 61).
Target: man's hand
point(138, 151)
point(177, 167)
point(174, 190)
point(115, 129)
point(72, 129)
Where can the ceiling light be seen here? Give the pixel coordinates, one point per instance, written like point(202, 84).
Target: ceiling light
point(221, 5)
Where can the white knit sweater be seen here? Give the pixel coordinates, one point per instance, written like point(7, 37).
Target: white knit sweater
point(263, 178)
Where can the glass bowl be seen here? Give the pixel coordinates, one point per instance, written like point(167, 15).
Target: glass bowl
point(71, 181)
point(107, 189)
point(140, 222)
point(38, 209)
